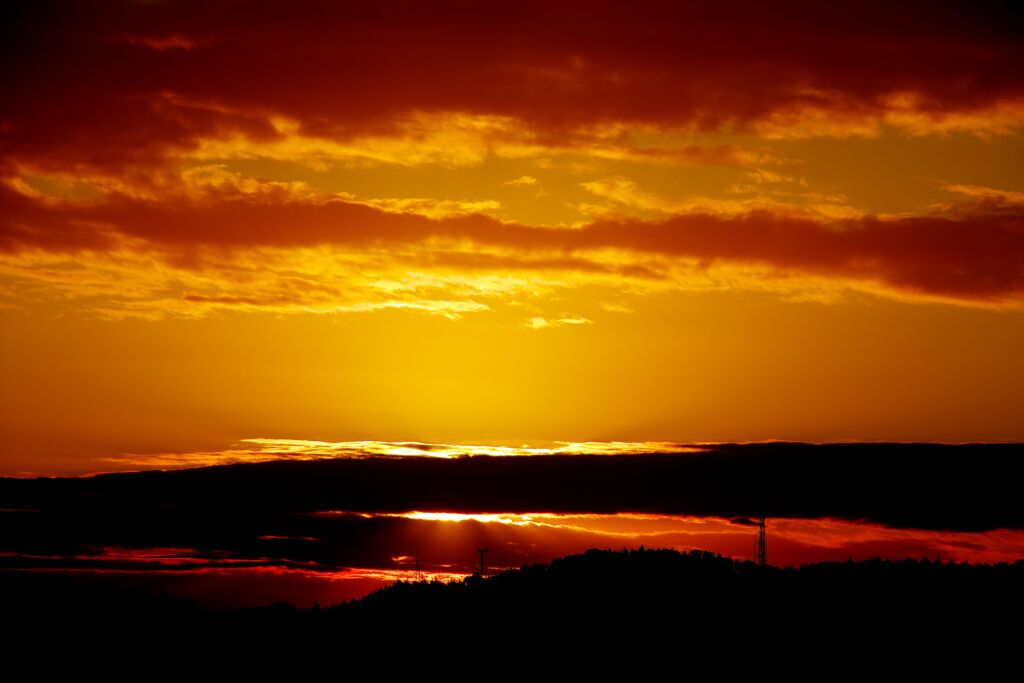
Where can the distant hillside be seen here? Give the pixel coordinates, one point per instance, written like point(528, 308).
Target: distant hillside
point(697, 589)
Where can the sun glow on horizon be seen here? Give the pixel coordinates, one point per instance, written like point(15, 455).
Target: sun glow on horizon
point(307, 298)
point(265, 450)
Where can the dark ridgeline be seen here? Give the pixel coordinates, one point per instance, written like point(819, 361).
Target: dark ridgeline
point(966, 487)
point(707, 605)
point(261, 512)
point(693, 595)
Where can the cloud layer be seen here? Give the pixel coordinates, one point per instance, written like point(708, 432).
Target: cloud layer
point(126, 83)
point(127, 127)
point(970, 253)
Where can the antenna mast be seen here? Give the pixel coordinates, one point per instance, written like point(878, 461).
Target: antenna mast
point(761, 544)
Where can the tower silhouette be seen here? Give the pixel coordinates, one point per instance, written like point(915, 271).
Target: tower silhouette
point(761, 544)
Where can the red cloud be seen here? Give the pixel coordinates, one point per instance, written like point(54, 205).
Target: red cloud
point(971, 254)
point(84, 89)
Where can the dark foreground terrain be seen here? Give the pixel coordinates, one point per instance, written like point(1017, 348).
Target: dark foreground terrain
point(698, 598)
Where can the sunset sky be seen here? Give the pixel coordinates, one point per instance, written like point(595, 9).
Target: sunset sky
point(505, 224)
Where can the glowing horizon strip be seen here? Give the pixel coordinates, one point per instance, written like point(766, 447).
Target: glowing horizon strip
point(267, 449)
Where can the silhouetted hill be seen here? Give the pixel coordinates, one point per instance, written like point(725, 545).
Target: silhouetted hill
point(698, 590)
point(694, 596)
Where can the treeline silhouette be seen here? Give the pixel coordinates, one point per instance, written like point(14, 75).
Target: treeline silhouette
point(691, 595)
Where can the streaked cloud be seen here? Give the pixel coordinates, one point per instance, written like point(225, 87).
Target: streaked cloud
point(969, 253)
point(268, 449)
point(521, 181)
point(540, 323)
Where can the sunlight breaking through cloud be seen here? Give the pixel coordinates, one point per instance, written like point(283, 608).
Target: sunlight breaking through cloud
point(266, 449)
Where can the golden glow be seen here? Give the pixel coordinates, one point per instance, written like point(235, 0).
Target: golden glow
point(794, 541)
point(606, 244)
point(519, 520)
point(263, 450)
point(446, 139)
point(838, 116)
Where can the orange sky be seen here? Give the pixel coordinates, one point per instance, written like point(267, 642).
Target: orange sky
point(507, 224)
